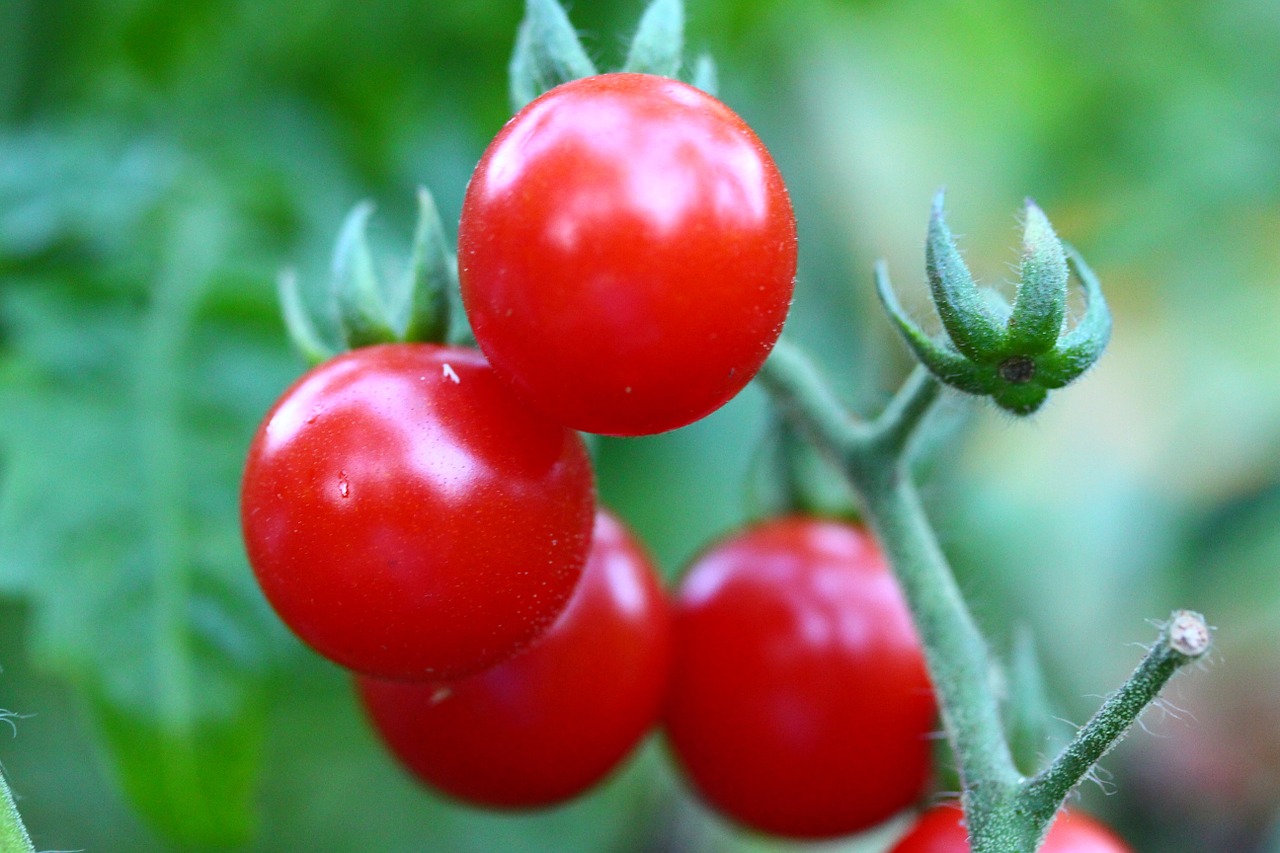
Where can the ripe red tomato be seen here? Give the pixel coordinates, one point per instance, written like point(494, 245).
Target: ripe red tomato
point(800, 704)
point(627, 252)
point(551, 722)
point(407, 516)
point(941, 830)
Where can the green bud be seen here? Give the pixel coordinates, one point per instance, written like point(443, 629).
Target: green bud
point(1012, 355)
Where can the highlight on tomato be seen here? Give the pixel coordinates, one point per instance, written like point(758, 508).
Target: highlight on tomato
point(409, 517)
point(627, 253)
point(800, 704)
point(941, 830)
point(550, 723)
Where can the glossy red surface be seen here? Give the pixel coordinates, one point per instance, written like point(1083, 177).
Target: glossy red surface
point(548, 724)
point(407, 516)
point(627, 252)
point(941, 830)
point(800, 704)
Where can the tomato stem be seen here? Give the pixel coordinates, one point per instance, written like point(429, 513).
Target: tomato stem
point(1183, 639)
point(13, 834)
point(873, 459)
point(892, 432)
point(1005, 812)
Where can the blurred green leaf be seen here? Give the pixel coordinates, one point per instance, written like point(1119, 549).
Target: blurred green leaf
point(116, 523)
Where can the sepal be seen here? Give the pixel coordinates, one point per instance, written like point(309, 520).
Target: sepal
point(548, 52)
point(658, 44)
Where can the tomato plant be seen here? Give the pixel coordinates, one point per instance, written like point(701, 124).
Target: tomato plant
point(799, 702)
point(551, 722)
point(627, 252)
point(941, 830)
point(407, 516)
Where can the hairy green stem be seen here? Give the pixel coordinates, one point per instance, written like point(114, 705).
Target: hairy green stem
point(1005, 812)
point(1183, 639)
point(891, 432)
point(13, 834)
point(795, 384)
point(958, 658)
point(874, 460)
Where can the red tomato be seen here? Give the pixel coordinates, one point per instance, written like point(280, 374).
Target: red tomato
point(551, 722)
point(409, 517)
point(627, 253)
point(800, 704)
point(941, 830)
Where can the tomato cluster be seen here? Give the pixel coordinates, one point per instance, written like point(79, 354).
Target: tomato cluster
point(425, 514)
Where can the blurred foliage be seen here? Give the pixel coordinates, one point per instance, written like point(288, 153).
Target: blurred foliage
point(160, 162)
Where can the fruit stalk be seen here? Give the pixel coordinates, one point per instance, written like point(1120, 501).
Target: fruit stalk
point(1005, 812)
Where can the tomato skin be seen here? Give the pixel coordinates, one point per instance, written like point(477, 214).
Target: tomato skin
point(941, 830)
point(548, 724)
point(627, 253)
point(407, 516)
point(800, 704)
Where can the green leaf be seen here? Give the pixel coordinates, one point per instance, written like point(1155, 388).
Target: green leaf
point(118, 507)
point(548, 52)
point(658, 45)
point(1040, 306)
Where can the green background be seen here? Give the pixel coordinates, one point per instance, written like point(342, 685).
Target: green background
point(161, 161)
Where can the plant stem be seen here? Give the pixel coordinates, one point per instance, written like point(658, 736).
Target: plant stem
point(13, 834)
point(959, 662)
point(1183, 639)
point(874, 460)
point(795, 384)
point(1005, 812)
point(891, 432)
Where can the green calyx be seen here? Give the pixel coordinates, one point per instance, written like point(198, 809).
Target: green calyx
point(1014, 355)
point(549, 52)
point(371, 310)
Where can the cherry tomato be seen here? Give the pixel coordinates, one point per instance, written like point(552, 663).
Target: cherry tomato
point(407, 516)
point(627, 252)
point(941, 830)
point(551, 722)
point(800, 704)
